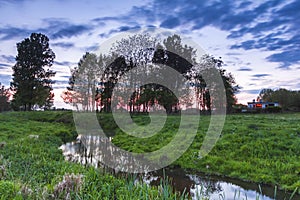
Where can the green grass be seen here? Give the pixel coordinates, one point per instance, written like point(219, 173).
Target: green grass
point(32, 166)
point(262, 148)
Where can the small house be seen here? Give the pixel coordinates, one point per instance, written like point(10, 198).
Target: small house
point(262, 105)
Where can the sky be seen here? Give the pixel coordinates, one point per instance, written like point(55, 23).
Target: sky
point(259, 41)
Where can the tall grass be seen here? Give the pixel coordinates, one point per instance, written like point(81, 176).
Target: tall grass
point(32, 166)
point(260, 148)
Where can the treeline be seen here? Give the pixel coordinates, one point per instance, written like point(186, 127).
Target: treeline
point(289, 100)
point(132, 77)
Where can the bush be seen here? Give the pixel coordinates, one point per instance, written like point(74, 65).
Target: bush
point(273, 109)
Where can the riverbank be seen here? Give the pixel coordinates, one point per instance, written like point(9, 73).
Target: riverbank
point(33, 167)
point(263, 148)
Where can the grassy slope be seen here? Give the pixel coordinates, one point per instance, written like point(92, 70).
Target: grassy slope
point(30, 168)
point(262, 148)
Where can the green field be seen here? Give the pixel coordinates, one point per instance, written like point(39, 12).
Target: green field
point(32, 166)
point(262, 148)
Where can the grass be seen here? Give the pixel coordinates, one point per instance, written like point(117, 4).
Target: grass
point(262, 148)
point(32, 166)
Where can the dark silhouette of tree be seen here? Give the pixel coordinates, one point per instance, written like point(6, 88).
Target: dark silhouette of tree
point(4, 99)
point(201, 73)
point(32, 83)
point(83, 83)
point(230, 89)
point(266, 94)
point(143, 57)
point(88, 88)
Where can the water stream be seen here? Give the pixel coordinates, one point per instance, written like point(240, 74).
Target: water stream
point(197, 185)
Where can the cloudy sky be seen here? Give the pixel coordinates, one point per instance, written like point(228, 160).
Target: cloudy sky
point(259, 41)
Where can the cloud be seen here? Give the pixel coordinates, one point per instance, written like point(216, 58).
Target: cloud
point(260, 75)
point(65, 77)
point(286, 58)
point(55, 28)
point(119, 29)
point(4, 66)
point(91, 48)
point(61, 82)
point(65, 45)
point(9, 33)
point(283, 20)
point(5, 79)
point(7, 59)
point(253, 91)
point(272, 25)
point(103, 19)
point(245, 69)
point(70, 31)
point(170, 22)
point(64, 63)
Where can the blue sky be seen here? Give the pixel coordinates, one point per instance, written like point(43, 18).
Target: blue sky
point(259, 41)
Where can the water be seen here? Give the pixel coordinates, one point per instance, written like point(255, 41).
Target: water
point(197, 185)
point(201, 186)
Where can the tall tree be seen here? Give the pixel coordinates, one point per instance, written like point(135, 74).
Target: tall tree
point(86, 83)
point(32, 83)
point(4, 98)
point(137, 52)
point(83, 83)
point(201, 73)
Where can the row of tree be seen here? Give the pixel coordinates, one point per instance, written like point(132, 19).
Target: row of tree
point(130, 62)
point(288, 99)
point(138, 58)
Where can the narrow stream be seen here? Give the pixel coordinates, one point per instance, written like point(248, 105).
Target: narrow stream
point(201, 185)
point(197, 185)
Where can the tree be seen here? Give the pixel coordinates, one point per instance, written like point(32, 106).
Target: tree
point(288, 99)
point(201, 73)
point(32, 83)
point(266, 94)
point(86, 82)
point(4, 98)
point(145, 59)
point(230, 88)
point(83, 83)
point(134, 53)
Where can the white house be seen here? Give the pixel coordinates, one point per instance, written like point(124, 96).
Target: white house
point(262, 104)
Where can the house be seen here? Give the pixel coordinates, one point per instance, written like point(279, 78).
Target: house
point(260, 104)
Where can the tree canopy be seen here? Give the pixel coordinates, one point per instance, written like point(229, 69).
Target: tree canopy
point(32, 83)
point(144, 57)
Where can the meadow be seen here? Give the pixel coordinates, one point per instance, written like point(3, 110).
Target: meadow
point(260, 148)
point(32, 166)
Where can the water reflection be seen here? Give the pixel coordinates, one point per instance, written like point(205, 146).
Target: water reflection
point(221, 190)
point(199, 186)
